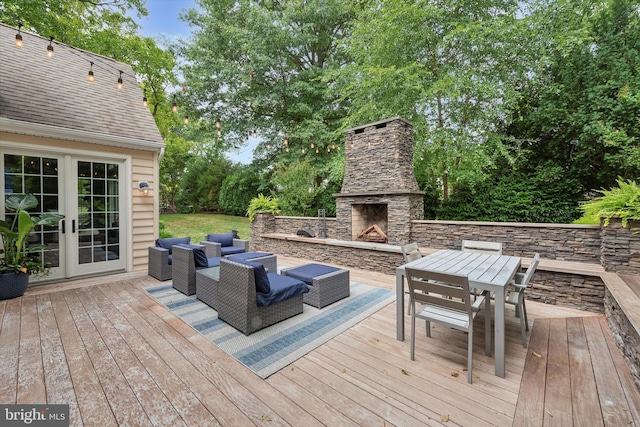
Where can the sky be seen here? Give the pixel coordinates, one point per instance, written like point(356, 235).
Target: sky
point(163, 22)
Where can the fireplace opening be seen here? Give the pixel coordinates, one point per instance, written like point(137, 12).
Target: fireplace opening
point(369, 222)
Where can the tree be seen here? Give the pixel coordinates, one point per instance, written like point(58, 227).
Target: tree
point(257, 66)
point(585, 118)
point(451, 68)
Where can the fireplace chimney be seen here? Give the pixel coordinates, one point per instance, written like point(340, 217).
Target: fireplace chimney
point(379, 186)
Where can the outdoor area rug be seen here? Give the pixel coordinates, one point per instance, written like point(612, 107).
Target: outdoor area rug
point(271, 349)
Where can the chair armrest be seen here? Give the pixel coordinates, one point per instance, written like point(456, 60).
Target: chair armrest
point(241, 242)
point(212, 249)
point(158, 263)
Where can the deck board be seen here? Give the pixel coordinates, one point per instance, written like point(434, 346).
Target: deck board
point(118, 357)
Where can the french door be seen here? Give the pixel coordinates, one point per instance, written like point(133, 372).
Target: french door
point(89, 193)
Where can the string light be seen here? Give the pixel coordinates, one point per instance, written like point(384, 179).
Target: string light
point(268, 146)
point(286, 141)
point(219, 133)
point(333, 146)
point(317, 151)
point(119, 85)
point(218, 124)
point(174, 105)
point(19, 36)
point(255, 134)
point(312, 145)
point(287, 149)
point(144, 98)
point(302, 150)
point(90, 77)
point(186, 119)
point(50, 48)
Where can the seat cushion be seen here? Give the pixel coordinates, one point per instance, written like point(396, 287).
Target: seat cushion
point(248, 256)
point(307, 272)
point(230, 250)
point(213, 262)
point(168, 243)
point(199, 255)
point(282, 288)
point(225, 239)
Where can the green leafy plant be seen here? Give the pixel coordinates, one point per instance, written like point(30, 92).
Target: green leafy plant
point(622, 201)
point(262, 204)
point(17, 254)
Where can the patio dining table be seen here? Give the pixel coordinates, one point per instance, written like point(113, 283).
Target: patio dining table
point(484, 271)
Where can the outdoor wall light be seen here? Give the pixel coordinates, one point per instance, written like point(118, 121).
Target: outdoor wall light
point(143, 187)
point(50, 48)
point(18, 41)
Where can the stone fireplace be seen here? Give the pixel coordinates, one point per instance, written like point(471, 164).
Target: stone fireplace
point(379, 191)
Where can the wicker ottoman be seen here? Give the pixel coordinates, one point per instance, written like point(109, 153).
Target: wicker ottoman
point(326, 284)
point(207, 285)
point(269, 261)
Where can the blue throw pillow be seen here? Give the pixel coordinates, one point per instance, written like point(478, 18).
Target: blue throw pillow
point(168, 243)
point(261, 279)
point(199, 256)
point(225, 239)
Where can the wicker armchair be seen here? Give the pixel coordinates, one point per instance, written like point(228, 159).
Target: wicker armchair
point(237, 298)
point(160, 257)
point(226, 244)
point(185, 265)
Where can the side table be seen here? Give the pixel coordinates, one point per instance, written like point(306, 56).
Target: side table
point(207, 280)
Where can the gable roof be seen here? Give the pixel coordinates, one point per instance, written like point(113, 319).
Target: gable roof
point(39, 95)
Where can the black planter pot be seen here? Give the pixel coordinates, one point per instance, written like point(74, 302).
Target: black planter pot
point(13, 285)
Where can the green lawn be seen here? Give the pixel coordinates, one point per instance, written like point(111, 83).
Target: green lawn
point(197, 226)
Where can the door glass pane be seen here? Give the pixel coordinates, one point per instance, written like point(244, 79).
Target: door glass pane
point(38, 176)
point(98, 228)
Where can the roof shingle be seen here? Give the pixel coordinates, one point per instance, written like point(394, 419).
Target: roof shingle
point(55, 91)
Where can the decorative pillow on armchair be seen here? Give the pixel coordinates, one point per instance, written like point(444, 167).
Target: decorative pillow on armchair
point(225, 239)
point(260, 274)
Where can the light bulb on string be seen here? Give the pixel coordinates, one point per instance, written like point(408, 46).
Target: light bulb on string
point(219, 133)
point(268, 146)
point(119, 84)
point(286, 141)
point(312, 145)
point(328, 150)
point(317, 151)
point(144, 98)
point(303, 151)
point(186, 119)
point(90, 76)
point(18, 41)
point(217, 123)
point(255, 133)
point(50, 48)
point(174, 105)
point(287, 149)
point(333, 146)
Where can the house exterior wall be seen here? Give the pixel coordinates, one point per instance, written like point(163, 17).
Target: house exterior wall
point(143, 166)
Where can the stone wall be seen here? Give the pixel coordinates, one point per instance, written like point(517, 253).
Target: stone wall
point(625, 335)
point(567, 290)
point(621, 247)
point(563, 242)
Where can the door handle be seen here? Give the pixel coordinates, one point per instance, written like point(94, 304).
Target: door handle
point(64, 225)
point(73, 225)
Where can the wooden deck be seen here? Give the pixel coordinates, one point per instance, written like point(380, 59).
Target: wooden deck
point(117, 357)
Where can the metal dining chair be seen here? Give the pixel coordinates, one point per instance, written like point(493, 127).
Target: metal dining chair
point(482, 247)
point(515, 296)
point(410, 252)
point(446, 300)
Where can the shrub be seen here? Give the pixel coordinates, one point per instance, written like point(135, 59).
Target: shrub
point(262, 204)
point(622, 201)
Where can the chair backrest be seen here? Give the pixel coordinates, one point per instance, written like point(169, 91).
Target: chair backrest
point(532, 269)
point(449, 291)
point(411, 252)
point(484, 247)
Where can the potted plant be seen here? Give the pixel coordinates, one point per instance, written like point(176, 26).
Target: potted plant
point(622, 202)
point(18, 259)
